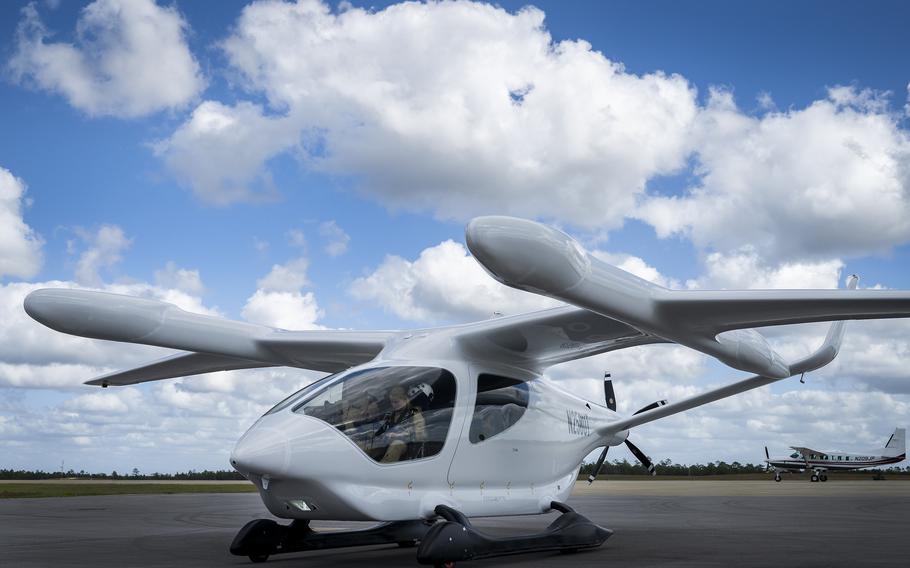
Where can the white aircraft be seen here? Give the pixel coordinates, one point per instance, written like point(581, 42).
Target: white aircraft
point(422, 429)
point(802, 459)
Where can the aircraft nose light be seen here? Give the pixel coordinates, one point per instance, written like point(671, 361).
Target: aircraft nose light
point(263, 451)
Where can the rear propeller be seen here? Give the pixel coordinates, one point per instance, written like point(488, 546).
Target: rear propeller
point(639, 455)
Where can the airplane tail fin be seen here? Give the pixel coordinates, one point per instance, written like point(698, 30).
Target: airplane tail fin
point(897, 441)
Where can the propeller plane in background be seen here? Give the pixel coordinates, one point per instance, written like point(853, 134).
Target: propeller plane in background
point(819, 462)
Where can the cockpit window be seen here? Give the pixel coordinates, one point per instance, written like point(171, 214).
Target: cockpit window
point(392, 413)
point(501, 402)
point(300, 394)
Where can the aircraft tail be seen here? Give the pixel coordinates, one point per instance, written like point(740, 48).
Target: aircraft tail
point(898, 440)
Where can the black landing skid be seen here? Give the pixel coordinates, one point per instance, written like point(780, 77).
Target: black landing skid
point(456, 539)
point(262, 538)
point(442, 544)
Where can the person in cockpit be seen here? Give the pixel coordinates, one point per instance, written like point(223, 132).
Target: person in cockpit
point(359, 413)
point(403, 425)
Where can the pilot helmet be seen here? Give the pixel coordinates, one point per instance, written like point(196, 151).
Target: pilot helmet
point(420, 395)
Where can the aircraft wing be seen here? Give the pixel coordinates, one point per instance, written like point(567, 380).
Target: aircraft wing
point(215, 344)
point(806, 452)
point(548, 337)
point(179, 365)
point(539, 259)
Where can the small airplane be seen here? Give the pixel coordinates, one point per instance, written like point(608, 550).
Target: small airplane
point(803, 459)
point(420, 430)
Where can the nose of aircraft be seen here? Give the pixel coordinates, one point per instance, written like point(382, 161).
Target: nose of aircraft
point(262, 450)
point(526, 254)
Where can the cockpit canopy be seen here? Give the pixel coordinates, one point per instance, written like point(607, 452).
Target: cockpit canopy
point(392, 413)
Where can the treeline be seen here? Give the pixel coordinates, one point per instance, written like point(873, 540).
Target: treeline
point(667, 467)
point(192, 475)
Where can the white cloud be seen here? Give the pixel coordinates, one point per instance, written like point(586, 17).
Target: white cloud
point(829, 180)
point(279, 300)
point(20, 246)
point(183, 279)
point(443, 284)
point(130, 58)
point(285, 310)
point(288, 277)
point(744, 268)
point(47, 375)
point(336, 239)
point(102, 402)
point(454, 107)
point(297, 238)
point(105, 248)
point(221, 151)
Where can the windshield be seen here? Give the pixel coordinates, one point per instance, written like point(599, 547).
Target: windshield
point(299, 394)
point(393, 414)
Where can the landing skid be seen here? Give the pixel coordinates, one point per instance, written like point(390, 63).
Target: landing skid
point(441, 544)
point(262, 538)
point(456, 539)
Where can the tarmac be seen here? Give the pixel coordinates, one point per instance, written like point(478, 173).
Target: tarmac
point(656, 523)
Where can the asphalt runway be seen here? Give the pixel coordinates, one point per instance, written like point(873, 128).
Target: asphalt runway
point(724, 523)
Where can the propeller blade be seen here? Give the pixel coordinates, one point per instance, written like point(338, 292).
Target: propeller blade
point(609, 395)
point(600, 464)
point(766, 453)
point(652, 406)
point(641, 457)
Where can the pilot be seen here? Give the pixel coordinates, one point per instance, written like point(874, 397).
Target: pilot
point(403, 425)
point(359, 409)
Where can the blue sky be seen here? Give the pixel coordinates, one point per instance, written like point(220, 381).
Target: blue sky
point(711, 154)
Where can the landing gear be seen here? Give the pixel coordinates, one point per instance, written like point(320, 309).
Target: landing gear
point(441, 544)
point(823, 478)
point(262, 538)
point(814, 478)
point(777, 477)
point(819, 475)
point(456, 539)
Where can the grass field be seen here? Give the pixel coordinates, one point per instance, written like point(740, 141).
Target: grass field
point(74, 489)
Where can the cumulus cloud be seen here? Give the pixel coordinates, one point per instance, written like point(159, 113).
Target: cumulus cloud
point(104, 249)
point(280, 301)
point(443, 284)
point(453, 107)
point(130, 58)
point(286, 277)
point(744, 268)
point(20, 246)
point(825, 181)
point(183, 279)
point(286, 310)
point(336, 240)
point(221, 151)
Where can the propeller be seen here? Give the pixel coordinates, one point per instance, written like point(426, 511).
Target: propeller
point(639, 455)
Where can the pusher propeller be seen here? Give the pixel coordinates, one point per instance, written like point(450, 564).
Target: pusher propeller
point(639, 455)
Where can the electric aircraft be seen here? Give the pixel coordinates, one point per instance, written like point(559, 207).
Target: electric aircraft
point(803, 459)
point(420, 430)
